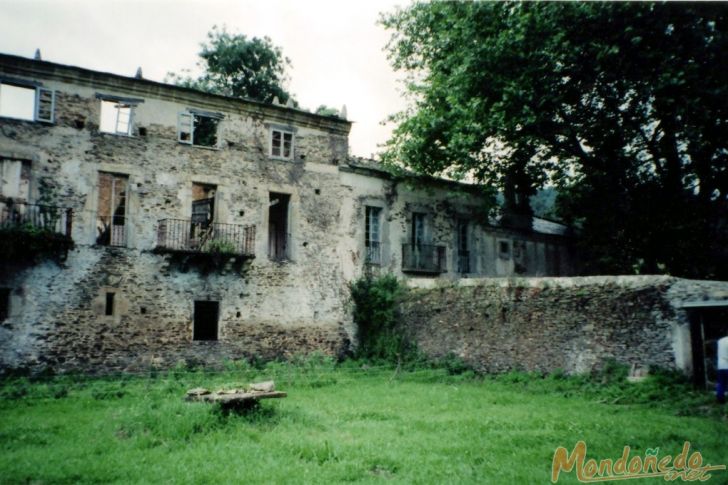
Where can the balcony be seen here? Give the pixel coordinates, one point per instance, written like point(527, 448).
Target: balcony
point(185, 237)
point(423, 258)
point(29, 230)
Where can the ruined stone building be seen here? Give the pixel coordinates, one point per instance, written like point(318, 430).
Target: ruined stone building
point(144, 224)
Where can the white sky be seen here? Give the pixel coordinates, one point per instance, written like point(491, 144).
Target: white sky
point(335, 46)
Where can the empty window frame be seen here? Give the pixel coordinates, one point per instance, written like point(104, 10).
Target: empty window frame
point(205, 319)
point(278, 226)
point(198, 128)
point(373, 235)
point(26, 101)
point(111, 214)
point(116, 117)
point(281, 143)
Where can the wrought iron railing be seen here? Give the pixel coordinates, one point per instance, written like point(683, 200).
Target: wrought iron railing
point(49, 218)
point(111, 230)
point(463, 262)
point(181, 235)
point(423, 258)
point(373, 254)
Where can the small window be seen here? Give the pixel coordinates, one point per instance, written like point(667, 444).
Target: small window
point(116, 117)
point(205, 320)
point(504, 249)
point(4, 304)
point(198, 129)
point(109, 310)
point(26, 102)
point(281, 144)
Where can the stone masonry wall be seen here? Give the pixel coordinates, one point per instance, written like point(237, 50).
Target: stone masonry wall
point(544, 324)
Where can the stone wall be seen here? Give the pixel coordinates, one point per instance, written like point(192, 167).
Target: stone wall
point(544, 324)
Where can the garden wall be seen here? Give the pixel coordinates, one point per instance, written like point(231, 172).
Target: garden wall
point(545, 324)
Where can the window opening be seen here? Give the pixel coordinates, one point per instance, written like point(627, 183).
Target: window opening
point(116, 117)
point(109, 303)
point(26, 102)
point(278, 226)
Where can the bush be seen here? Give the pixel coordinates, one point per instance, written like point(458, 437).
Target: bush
point(376, 317)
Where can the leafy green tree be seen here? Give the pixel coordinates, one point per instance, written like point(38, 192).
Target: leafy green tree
point(622, 106)
point(235, 65)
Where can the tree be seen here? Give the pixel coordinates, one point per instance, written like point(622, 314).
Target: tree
point(234, 65)
point(622, 106)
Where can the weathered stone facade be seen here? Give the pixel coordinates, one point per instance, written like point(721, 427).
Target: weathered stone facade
point(572, 324)
point(125, 296)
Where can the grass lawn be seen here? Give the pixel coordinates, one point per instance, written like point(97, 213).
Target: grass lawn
point(341, 423)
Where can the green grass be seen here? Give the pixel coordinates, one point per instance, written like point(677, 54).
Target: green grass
point(341, 423)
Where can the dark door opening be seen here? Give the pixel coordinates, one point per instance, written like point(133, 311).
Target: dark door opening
point(205, 320)
point(707, 325)
point(278, 226)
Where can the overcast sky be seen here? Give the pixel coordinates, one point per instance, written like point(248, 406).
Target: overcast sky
point(335, 46)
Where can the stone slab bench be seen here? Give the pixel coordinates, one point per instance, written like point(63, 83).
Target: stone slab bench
point(236, 398)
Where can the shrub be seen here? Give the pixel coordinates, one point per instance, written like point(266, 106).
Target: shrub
point(376, 317)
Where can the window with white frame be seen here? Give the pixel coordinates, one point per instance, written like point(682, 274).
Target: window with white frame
point(26, 102)
point(198, 128)
point(281, 143)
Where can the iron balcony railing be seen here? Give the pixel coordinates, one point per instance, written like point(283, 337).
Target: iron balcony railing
point(373, 253)
point(49, 218)
point(111, 230)
point(423, 258)
point(182, 235)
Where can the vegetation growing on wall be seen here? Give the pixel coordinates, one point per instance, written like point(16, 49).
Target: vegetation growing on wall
point(376, 318)
point(28, 243)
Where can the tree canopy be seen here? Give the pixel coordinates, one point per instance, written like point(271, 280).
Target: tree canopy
point(235, 65)
point(622, 106)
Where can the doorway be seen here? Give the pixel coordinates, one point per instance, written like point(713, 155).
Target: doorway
point(708, 323)
point(205, 320)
